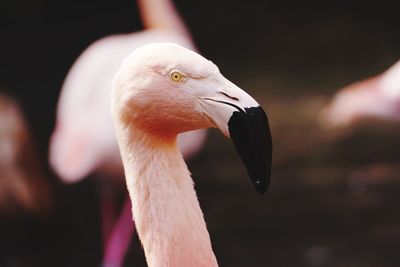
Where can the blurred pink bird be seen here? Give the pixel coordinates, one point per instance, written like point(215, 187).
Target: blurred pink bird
point(23, 185)
point(377, 97)
point(83, 141)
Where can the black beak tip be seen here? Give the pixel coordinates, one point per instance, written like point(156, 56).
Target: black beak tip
point(250, 133)
point(260, 186)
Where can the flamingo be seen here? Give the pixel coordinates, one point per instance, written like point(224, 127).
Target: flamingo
point(83, 141)
point(377, 97)
point(161, 90)
point(23, 186)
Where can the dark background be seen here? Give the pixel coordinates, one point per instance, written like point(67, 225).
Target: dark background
point(41, 39)
point(334, 197)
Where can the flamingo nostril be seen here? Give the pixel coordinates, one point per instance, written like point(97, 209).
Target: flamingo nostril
point(231, 97)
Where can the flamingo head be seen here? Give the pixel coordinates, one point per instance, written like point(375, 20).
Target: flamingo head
point(164, 89)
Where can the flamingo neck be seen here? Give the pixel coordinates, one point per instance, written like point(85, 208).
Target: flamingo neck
point(390, 81)
point(162, 14)
point(167, 214)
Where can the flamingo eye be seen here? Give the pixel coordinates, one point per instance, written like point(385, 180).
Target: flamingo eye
point(176, 76)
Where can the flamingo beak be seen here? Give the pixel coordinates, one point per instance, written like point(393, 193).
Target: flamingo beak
point(250, 133)
point(242, 119)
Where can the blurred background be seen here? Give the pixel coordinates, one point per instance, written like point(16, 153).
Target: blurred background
point(334, 196)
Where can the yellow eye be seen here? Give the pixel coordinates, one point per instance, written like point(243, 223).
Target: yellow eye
point(176, 76)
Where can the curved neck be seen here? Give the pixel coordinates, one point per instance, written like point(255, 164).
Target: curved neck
point(391, 81)
point(162, 14)
point(167, 213)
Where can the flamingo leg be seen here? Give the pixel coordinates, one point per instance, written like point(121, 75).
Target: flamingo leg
point(108, 215)
point(120, 237)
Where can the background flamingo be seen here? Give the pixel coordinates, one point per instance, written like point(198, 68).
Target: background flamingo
point(377, 97)
point(160, 91)
point(83, 140)
point(23, 187)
